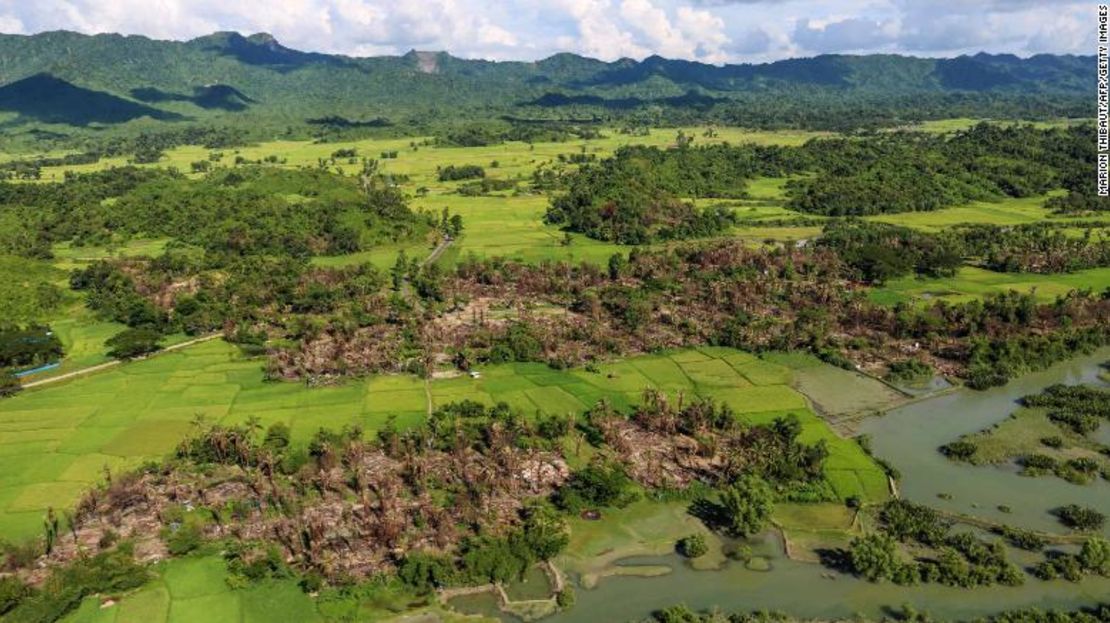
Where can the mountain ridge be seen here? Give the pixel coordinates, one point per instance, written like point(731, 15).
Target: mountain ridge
point(258, 77)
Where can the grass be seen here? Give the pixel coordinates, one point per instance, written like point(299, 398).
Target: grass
point(194, 589)
point(809, 528)
point(643, 528)
point(1021, 434)
point(971, 283)
point(1009, 211)
point(501, 224)
point(419, 162)
point(30, 290)
point(58, 440)
point(68, 257)
point(963, 123)
point(513, 227)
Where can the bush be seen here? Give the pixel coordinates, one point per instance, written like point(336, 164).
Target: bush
point(596, 485)
point(960, 450)
point(461, 172)
point(565, 598)
point(132, 343)
point(693, 546)
point(12, 591)
point(63, 590)
point(9, 384)
point(426, 572)
point(1080, 517)
point(185, 538)
point(909, 370)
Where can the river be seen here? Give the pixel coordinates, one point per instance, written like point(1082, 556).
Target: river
point(908, 437)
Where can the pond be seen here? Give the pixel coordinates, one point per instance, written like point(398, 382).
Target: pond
point(908, 437)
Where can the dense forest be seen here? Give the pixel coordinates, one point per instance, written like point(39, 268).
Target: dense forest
point(69, 83)
point(643, 194)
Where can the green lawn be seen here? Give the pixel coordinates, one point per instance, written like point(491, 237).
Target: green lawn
point(56, 441)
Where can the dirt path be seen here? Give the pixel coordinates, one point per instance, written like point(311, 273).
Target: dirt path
point(116, 362)
point(438, 251)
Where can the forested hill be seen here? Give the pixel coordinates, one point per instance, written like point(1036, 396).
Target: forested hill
point(69, 78)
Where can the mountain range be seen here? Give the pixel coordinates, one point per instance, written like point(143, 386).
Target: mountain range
point(82, 80)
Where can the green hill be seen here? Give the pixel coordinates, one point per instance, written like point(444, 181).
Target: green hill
point(74, 79)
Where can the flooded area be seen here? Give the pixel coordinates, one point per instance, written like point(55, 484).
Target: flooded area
point(908, 437)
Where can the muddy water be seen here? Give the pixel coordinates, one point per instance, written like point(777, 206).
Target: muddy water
point(908, 438)
point(806, 590)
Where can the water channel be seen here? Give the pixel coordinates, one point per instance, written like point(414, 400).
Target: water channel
point(908, 437)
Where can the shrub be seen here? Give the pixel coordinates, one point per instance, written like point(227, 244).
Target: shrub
point(565, 598)
point(746, 505)
point(596, 485)
point(693, 546)
point(132, 343)
point(461, 172)
point(12, 591)
point(909, 370)
point(1080, 517)
point(960, 450)
point(184, 538)
point(63, 590)
point(9, 384)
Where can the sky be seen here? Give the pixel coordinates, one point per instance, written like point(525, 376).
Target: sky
point(714, 31)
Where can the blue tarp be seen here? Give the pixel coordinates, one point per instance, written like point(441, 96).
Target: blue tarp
point(49, 366)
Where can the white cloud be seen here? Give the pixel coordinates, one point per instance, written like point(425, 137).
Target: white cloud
point(707, 30)
point(11, 24)
point(853, 34)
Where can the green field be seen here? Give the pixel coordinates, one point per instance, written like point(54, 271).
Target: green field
point(1009, 211)
point(58, 440)
point(970, 283)
point(1021, 435)
point(963, 123)
point(420, 160)
point(640, 529)
point(30, 290)
point(195, 588)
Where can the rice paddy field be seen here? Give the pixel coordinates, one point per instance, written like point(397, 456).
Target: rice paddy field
point(419, 159)
point(971, 283)
point(195, 588)
point(1009, 211)
point(57, 441)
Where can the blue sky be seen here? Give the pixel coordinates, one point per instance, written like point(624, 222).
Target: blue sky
point(716, 31)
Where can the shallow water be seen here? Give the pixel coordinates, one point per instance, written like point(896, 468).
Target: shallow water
point(805, 590)
point(908, 437)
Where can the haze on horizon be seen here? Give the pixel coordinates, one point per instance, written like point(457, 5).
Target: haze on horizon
point(714, 31)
